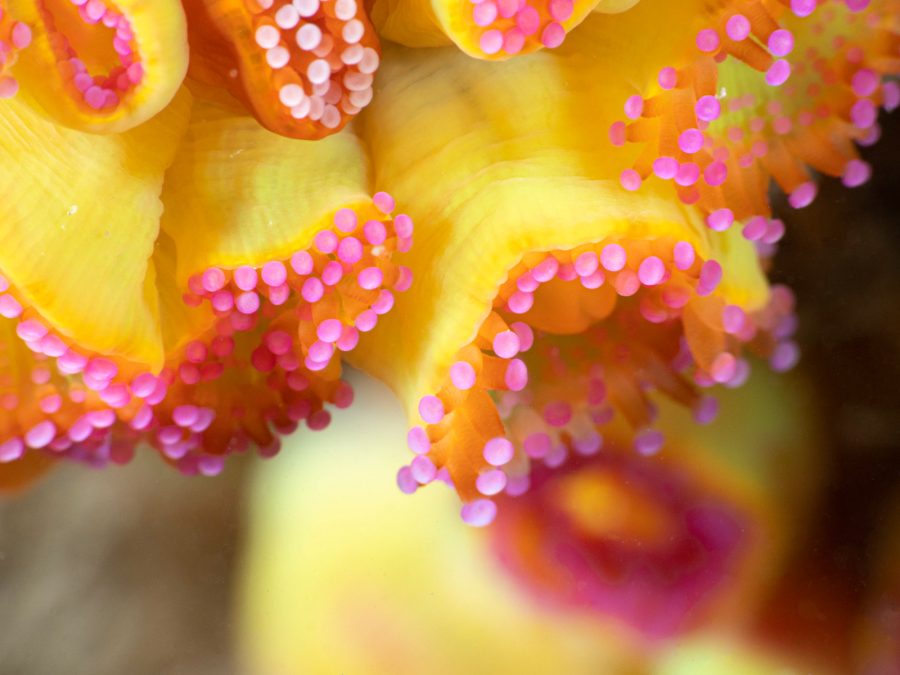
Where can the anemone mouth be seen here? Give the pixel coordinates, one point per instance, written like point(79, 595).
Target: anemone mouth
point(96, 51)
point(305, 67)
point(266, 359)
point(635, 540)
point(101, 66)
point(576, 343)
point(499, 29)
point(14, 36)
point(765, 93)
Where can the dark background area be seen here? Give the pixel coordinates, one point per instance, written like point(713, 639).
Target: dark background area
point(841, 255)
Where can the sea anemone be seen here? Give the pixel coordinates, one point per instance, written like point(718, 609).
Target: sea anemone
point(197, 304)
point(549, 304)
point(668, 544)
point(566, 276)
point(488, 29)
point(511, 598)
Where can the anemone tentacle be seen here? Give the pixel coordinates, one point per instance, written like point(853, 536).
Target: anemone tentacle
point(304, 69)
point(279, 328)
point(581, 342)
point(14, 36)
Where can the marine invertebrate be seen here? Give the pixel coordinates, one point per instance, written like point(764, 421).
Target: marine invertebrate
point(215, 323)
point(531, 588)
point(668, 544)
point(548, 304)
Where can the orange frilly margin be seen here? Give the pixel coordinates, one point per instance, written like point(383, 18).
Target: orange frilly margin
point(219, 325)
point(548, 301)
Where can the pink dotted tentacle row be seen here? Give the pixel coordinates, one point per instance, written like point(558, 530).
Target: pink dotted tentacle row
point(271, 360)
point(520, 394)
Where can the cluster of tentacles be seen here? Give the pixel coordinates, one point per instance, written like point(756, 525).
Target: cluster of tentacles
point(536, 328)
point(264, 357)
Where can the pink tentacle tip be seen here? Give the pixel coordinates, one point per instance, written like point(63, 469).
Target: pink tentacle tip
point(708, 40)
point(498, 451)
point(418, 441)
point(479, 513)
point(491, 482)
point(649, 442)
point(431, 409)
point(213, 279)
point(856, 173)
point(803, 195)
point(384, 202)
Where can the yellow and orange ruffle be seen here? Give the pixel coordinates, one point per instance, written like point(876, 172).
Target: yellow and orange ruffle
point(186, 260)
point(177, 301)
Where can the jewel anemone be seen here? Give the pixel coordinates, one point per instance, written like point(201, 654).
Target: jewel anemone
point(375, 558)
point(93, 65)
point(692, 538)
point(486, 29)
point(303, 68)
point(549, 304)
point(747, 93)
point(192, 283)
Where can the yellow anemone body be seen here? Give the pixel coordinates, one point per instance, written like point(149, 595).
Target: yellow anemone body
point(79, 234)
point(239, 194)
